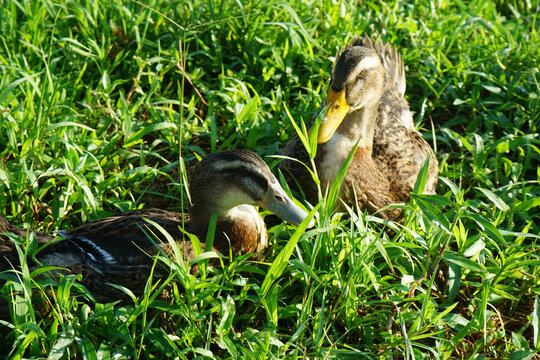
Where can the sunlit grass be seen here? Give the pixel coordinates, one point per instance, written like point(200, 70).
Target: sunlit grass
point(101, 104)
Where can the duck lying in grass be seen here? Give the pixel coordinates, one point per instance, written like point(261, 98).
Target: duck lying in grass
point(365, 103)
point(118, 248)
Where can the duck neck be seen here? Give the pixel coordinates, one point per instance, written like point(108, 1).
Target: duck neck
point(359, 124)
point(241, 226)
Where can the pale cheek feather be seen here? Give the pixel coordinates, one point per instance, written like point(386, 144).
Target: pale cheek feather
point(230, 200)
point(369, 62)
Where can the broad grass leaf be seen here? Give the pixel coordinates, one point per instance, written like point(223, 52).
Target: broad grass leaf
point(204, 352)
point(454, 280)
point(35, 329)
point(314, 131)
point(7, 91)
point(23, 341)
point(78, 47)
point(475, 248)
point(125, 290)
point(453, 187)
point(420, 183)
point(518, 234)
point(282, 179)
point(519, 341)
point(438, 200)
point(103, 352)
point(204, 256)
point(210, 235)
point(487, 226)
point(250, 109)
point(527, 204)
point(309, 40)
point(228, 311)
point(60, 347)
point(384, 254)
point(305, 268)
point(464, 262)
point(479, 152)
point(313, 138)
point(513, 264)
point(229, 345)
point(136, 138)
point(425, 203)
point(68, 124)
point(497, 201)
point(162, 342)
point(522, 355)
point(87, 348)
point(64, 288)
point(178, 256)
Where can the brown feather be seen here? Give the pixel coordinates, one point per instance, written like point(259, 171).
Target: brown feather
point(121, 248)
point(385, 171)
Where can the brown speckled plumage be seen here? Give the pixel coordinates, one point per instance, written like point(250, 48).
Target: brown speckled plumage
point(371, 78)
point(120, 248)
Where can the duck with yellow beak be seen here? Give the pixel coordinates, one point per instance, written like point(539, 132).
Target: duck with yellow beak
point(365, 103)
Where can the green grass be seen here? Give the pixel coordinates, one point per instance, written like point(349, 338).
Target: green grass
point(101, 102)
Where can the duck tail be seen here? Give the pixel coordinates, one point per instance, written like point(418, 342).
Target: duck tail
point(391, 59)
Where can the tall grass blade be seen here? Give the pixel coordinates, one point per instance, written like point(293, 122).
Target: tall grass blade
point(282, 258)
point(333, 193)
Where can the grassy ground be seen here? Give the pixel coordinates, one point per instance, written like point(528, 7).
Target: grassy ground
point(101, 102)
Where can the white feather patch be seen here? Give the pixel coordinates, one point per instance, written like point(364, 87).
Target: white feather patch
point(368, 63)
point(406, 119)
point(103, 254)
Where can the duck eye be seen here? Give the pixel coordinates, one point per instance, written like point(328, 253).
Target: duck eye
point(280, 198)
point(361, 74)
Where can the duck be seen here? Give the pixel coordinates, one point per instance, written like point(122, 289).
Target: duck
point(120, 248)
point(365, 103)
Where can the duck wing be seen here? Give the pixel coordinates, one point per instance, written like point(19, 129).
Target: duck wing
point(118, 243)
point(400, 152)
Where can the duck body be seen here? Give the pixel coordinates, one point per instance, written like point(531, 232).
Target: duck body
point(120, 248)
point(130, 239)
point(365, 103)
point(113, 243)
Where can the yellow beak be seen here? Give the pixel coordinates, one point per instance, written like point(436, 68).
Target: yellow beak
point(335, 113)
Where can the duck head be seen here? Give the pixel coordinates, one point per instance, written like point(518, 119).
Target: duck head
point(357, 83)
point(231, 182)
